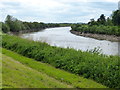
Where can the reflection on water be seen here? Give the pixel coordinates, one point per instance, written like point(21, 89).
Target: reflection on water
point(62, 37)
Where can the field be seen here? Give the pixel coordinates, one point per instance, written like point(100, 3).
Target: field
point(101, 68)
point(22, 72)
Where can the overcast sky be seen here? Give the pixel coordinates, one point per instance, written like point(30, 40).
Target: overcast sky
point(56, 11)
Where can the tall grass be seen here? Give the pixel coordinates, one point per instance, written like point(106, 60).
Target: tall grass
point(103, 69)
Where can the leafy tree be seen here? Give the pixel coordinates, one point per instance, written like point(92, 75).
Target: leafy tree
point(116, 17)
point(102, 20)
point(5, 28)
point(17, 25)
point(109, 21)
point(9, 21)
point(14, 24)
point(92, 22)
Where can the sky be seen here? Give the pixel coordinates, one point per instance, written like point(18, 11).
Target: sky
point(57, 11)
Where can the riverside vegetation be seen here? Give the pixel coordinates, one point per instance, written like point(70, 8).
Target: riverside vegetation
point(109, 26)
point(12, 24)
point(101, 68)
point(28, 73)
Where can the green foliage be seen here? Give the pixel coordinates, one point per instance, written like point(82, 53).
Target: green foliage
point(35, 26)
point(116, 17)
point(102, 20)
point(102, 25)
point(110, 21)
point(16, 25)
point(18, 75)
point(5, 28)
point(0, 26)
point(101, 68)
point(92, 22)
point(101, 29)
point(57, 75)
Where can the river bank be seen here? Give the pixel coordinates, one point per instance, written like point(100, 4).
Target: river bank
point(30, 31)
point(112, 38)
point(68, 59)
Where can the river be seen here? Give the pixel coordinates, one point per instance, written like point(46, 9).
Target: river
point(62, 37)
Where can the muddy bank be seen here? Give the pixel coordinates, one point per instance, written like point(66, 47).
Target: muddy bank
point(98, 36)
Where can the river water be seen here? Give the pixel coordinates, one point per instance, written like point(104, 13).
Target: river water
point(62, 37)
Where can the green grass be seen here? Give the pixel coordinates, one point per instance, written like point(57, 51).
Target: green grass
point(17, 75)
point(101, 68)
point(0, 69)
point(20, 71)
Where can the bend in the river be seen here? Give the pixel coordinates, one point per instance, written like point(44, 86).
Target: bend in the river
point(62, 37)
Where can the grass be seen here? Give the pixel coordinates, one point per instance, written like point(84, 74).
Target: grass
point(0, 69)
point(20, 71)
point(101, 68)
point(17, 75)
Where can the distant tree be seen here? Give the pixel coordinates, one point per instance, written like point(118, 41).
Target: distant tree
point(92, 22)
point(17, 25)
point(26, 26)
point(109, 21)
point(9, 21)
point(14, 24)
point(5, 28)
point(116, 17)
point(102, 20)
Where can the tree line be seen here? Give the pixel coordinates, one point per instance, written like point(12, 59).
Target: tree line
point(109, 26)
point(12, 24)
point(114, 19)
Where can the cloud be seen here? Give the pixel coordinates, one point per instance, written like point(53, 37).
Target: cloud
point(57, 10)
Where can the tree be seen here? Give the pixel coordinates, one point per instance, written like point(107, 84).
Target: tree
point(109, 22)
point(102, 19)
point(92, 22)
point(9, 22)
point(5, 28)
point(14, 24)
point(116, 17)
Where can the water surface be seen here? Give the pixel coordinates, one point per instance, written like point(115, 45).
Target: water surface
point(62, 37)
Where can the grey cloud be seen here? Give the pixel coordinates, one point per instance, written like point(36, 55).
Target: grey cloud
point(70, 12)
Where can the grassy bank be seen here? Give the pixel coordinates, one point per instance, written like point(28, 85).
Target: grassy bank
point(17, 75)
point(23, 72)
point(103, 69)
point(97, 29)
